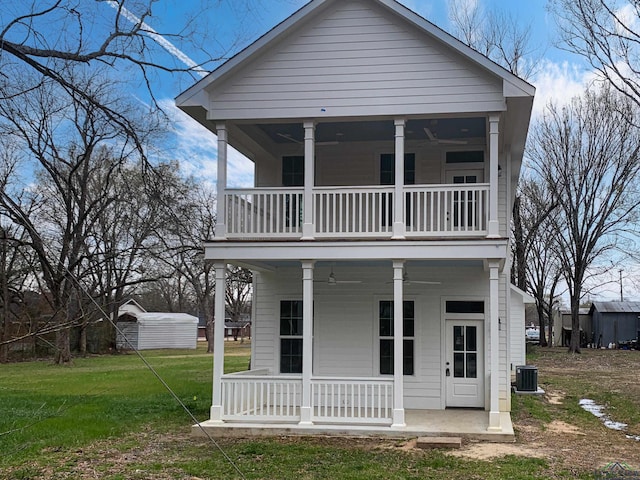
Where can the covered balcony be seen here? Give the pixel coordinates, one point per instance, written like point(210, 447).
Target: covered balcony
point(340, 180)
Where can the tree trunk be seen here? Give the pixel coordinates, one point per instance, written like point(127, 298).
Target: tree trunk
point(82, 339)
point(542, 323)
point(574, 346)
point(63, 349)
point(209, 333)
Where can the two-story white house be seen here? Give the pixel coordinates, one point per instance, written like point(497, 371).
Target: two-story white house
point(386, 157)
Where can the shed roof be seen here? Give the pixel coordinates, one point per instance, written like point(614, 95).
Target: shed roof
point(161, 317)
point(616, 307)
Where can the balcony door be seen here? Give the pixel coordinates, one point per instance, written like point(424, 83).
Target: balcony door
point(464, 213)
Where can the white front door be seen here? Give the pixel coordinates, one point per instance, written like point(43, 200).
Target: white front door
point(464, 364)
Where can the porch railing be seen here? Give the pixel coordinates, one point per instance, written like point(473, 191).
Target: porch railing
point(351, 400)
point(256, 396)
point(344, 212)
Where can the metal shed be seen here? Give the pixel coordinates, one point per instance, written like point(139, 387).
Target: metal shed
point(615, 322)
point(148, 330)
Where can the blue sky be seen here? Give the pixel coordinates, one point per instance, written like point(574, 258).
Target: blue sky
point(560, 75)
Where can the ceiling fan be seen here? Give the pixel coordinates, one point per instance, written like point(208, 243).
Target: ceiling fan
point(442, 141)
point(408, 281)
point(288, 136)
point(332, 280)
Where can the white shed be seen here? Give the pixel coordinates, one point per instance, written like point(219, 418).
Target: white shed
point(148, 330)
point(517, 328)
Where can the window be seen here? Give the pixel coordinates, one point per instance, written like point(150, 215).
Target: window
point(293, 171)
point(291, 336)
point(385, 332)
point(293, 176)
point(476, 156)
point(464, 306)
point(465, 351)
point(388, 177)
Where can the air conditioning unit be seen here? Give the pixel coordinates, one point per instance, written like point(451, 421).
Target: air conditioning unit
point(526, 378)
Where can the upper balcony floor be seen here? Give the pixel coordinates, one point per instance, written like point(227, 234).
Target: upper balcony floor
point(342, 180)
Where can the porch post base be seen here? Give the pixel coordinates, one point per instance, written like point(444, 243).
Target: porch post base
point(398, 231)
point(215, 414)
point(494, 422)
point(493, 229)
point(305, 416)
point(307, 231)
point(398, 418)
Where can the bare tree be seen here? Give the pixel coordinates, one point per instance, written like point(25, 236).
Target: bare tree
point(607, 35)
point(68, 143)
point(535, 268)
point(495, 34)
point(587, 154)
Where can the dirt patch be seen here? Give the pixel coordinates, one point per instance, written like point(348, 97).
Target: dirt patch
point(489, 451)
point(558, 426)
point(555, 398)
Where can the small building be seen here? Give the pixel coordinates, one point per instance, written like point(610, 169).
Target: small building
point(615, 322)
point(150, 330)
point(562, 328)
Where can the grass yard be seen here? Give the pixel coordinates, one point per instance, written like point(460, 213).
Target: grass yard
point(108, 417)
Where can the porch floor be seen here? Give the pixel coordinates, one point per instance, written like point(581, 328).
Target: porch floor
point(471, 424)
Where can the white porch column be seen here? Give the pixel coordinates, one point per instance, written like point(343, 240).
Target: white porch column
point(493, 227)
point(398, 350)
point(221, 183)
point(306, 408)
point(309, 168)
point(398, 200)
point(218, 342)
point(494, 361)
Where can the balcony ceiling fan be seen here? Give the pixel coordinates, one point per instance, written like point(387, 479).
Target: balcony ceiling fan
point(442, 141)
point(332, 280)
point(287, 136)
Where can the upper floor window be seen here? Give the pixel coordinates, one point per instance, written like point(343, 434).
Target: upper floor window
point(293, 171)
point(470, 156)
point(388, 169)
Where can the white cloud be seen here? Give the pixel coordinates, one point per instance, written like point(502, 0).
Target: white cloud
point(196, 148)
point(559, 82)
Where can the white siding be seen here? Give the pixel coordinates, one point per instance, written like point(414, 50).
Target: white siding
point(127, 335)
point(517, 330)
point(356, 59)
point(345, 335)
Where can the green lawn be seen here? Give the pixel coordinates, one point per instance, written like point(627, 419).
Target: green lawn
point(109, 417)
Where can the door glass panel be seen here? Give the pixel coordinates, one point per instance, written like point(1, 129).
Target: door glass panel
point(472, 365)
point(458, 365)
point(471, 339)
point(458, 338)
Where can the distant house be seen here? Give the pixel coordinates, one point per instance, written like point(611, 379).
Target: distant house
point(615, 322)
point(240, 328)
point(142, 330)
point(562, 328)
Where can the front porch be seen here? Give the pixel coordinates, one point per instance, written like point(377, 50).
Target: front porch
point(466, 423)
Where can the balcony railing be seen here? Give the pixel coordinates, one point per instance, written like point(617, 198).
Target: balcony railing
point(358, 212)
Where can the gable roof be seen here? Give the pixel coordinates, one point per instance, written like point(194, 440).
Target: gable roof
point(513, 86)
point(616, 307)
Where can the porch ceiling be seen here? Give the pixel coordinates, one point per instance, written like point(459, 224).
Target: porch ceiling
point(368, 131)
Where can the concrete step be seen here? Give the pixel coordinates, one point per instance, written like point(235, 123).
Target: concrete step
point(439, 442)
